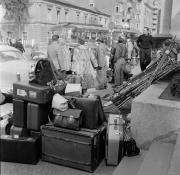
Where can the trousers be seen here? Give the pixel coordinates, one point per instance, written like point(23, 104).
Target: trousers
point(119, 67)
point(145, 58)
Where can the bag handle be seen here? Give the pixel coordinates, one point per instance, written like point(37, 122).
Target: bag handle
point(49, 119)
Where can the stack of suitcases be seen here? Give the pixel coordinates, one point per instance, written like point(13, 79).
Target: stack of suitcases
point(31, 105)
point(32, 136)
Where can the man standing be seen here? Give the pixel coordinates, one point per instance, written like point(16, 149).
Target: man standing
point(120, 56)
point(102, 64)
point(145, 43)
point(54, 53)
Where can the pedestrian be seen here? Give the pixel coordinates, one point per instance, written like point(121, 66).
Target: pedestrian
point(120, 56)
point(145, 43)
point(135, 54)
point(102, 64)
point(55, 55)
point(129, 45)
point(19, 45)
point(85, 64)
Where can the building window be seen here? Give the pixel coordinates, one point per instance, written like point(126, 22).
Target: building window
point(58, 15)
point(85, 17)
point(91, 4)
point(117, 9)
point(105, 22)
point(66, 16)
point(9, 34)
point(49, 14)
point(100, 19)
point(24, 36)
point(78, 14)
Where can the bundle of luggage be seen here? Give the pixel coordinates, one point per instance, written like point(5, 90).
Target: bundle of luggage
point(69, 130)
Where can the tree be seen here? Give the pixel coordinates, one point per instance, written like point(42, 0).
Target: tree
point(16, 10)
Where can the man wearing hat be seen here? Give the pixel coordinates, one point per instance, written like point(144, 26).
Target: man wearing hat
point(119, 60)
point(55, 55)
point(146, 44)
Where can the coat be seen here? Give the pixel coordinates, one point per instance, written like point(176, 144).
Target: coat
point(83, 64)
point(101, 55)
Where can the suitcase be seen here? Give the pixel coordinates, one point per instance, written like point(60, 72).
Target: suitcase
point(37, 115)
point(115, 137)
point(93, 110)
point(32, 92)
point(20, 112)
point(18, 131)
point(19, 150)
point(36, 134)
point(82, 149)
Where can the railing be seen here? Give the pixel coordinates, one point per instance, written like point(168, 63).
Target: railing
point(27, 43)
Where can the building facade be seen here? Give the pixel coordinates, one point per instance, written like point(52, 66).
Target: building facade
point(44, 14)
point(149, 15)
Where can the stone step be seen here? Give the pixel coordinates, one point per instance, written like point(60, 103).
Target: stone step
point(130, 165)
point(157, 160)
point(175, 161)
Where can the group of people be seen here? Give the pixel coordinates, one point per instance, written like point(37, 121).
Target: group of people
point(17, 43)
point(125, 49)
point(89, 63)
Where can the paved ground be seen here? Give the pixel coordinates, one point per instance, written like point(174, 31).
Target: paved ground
point(45, 168)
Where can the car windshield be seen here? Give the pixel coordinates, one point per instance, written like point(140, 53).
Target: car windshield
point(10, 55)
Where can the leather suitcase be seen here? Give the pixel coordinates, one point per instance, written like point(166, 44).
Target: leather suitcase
point(93, 110)
point(37, 134)
point(115, 137)
point(20, 112)
point(37, 115)
point(19, 150)
point(82, 149)
point(19, 131)
point(32, 92)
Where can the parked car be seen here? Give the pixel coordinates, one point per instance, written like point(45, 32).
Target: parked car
point(12, 62)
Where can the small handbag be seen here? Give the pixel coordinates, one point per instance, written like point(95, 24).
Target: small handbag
point(130, 148)
point(70, 119)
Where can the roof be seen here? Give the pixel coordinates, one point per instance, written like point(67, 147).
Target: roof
point(79, 26)
point(77, 6)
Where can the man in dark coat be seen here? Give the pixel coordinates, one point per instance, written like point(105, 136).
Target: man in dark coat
point(145, 43)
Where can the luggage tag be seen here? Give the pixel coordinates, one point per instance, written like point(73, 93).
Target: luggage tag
point(32, 94)
point(21, 92)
